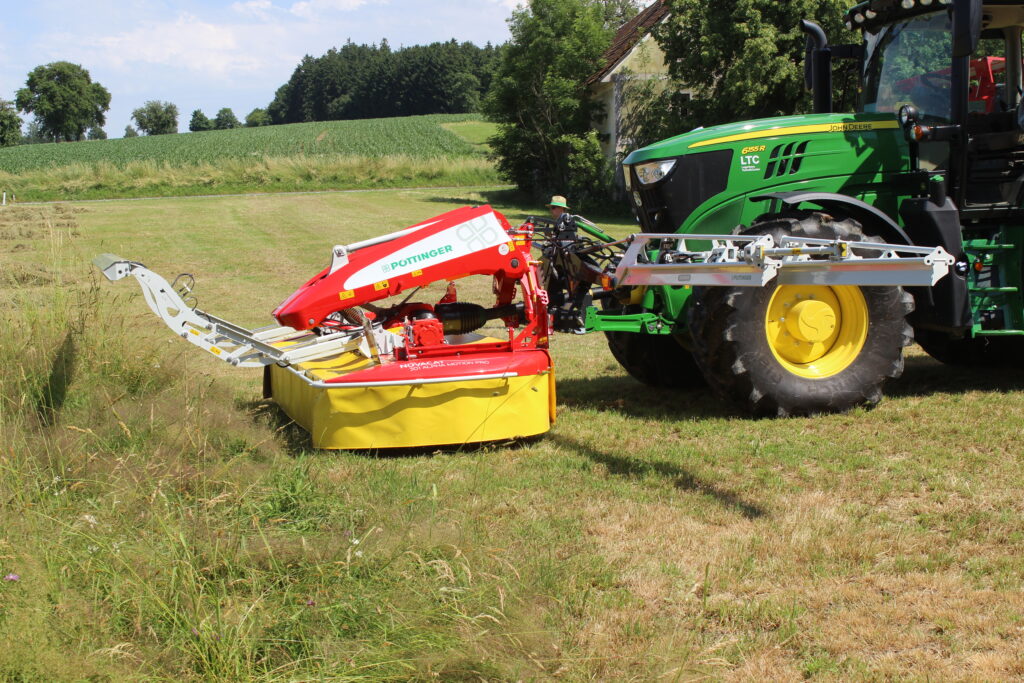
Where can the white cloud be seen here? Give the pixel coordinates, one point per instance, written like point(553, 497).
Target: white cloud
point(187, 42)
point(314, 9)
point(254, 8)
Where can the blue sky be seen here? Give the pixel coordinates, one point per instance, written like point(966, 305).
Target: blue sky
point(219, 53)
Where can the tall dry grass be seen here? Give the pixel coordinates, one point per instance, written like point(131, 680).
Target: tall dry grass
point(298, 172)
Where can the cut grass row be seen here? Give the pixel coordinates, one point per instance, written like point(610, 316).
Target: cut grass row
point(438, 150)
point(166, 523)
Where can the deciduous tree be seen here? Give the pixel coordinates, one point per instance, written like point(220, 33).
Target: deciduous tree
point(34, 134)
point(64, 99)
point(539, 99)
point(199, 122)
point(736, 61)
point(156, 118)
point(10, 124)
point(364, 81)
point(226, 119)
point(257, 117)
point(130, 132)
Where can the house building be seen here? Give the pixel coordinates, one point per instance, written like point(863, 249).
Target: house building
point(634, 54)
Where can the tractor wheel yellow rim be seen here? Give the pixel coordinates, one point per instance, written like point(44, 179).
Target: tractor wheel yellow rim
point(816, 331)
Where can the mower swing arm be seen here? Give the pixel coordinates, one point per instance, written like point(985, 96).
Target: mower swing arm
point(230, 342)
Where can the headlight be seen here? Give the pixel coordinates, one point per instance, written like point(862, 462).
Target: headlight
point(654, 171)
point(908, 115)
point(627, 178)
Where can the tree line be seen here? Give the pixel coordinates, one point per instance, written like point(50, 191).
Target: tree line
point(374, 81)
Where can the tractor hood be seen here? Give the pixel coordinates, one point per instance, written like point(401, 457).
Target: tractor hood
point(750, 133)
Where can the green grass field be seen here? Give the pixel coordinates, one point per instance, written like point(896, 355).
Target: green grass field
point(165, 523)
point(304, 156)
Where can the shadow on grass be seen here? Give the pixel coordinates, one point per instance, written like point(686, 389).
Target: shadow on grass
point(294, 439)
point(627, 396)
point(633, 468)
point(923, 376)
point(55, 392)
point(501, 197)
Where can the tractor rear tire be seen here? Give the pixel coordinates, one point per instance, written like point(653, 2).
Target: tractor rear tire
point(837, 349)
point(657, 360)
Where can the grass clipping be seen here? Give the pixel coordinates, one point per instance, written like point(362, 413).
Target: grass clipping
point(298, 172)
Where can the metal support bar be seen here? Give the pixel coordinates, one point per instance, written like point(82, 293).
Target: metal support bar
point(326, 384)
point(755, 260)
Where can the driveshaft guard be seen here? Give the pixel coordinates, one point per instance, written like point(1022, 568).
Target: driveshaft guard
point(453, 245)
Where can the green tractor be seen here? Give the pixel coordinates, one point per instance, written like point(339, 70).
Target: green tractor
point(933, 156)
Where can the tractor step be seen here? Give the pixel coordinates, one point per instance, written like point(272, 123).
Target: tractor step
point(755, 260)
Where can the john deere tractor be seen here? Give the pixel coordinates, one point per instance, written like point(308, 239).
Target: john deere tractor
point(933, 156)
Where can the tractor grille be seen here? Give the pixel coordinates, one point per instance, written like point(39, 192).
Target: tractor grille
point(696, 178)
point(785, 159)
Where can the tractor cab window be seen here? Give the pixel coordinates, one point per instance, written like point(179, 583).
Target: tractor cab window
point(987, 88)
point(909, 62)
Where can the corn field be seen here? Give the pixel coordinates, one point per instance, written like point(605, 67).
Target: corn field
point(417, 137)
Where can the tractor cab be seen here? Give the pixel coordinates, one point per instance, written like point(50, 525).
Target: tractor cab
point(953, 74)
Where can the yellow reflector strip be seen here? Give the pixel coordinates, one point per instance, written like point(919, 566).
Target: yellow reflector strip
point(849, 127)
point(214, 350)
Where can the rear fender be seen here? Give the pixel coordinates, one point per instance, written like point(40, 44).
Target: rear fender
point(874, 221)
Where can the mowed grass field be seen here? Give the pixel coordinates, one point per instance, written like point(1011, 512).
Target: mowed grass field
point(303, 156)
point(159, 521)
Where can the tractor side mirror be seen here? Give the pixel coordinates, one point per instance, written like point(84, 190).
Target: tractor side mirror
point(966, 27)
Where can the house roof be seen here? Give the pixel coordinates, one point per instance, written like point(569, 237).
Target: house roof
point(628, 35)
